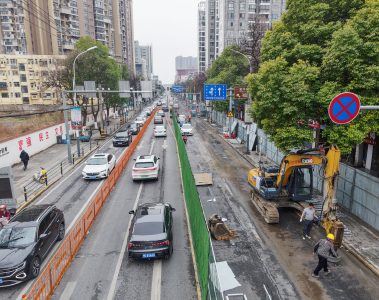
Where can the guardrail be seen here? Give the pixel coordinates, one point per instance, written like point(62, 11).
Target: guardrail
point(57, 266)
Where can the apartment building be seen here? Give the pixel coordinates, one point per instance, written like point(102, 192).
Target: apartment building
point(201, 36)
point(51, 27)
point(183, 63)
point(21, 78)
point(147, 54)
point(226, 21)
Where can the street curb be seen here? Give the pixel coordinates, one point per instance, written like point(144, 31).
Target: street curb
point(347, 246)
point(188, 224)
point(54, 181)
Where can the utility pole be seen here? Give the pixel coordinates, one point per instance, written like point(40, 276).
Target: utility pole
point(230, 110)
point(101, 107)
point(66, 126)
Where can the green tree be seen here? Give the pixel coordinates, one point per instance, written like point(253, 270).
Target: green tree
point(319, 50)
point(229, 68)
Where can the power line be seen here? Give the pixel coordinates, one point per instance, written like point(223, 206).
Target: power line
point(38, 10)
point(27, 4)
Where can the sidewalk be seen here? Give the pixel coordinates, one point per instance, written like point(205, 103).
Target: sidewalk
point(53, 156)
point(360, 239)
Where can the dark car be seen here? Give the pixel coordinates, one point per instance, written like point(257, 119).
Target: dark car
point(165, 108)
point(122, 138)
point(150, 234)
point(26, 240)
point(134, 128)
point(158, 120)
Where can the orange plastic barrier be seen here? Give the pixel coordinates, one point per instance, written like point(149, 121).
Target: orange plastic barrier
point(57, 266)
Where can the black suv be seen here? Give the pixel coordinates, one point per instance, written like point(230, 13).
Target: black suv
point(150, 233)
point(122, 138)
point(26, 240)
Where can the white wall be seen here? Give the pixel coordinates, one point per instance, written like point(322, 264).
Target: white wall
point(35, 142)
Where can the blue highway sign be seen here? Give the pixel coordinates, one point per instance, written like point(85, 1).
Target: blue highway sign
point(214, 91)
point(177, 89)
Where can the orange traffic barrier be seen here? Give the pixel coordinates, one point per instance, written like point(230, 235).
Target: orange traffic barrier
point(57, 266)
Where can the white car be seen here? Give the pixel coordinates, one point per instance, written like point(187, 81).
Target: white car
point(146, 167)
point(99, 166)
point(140, 120)
point(186, 129)
point(160, 131)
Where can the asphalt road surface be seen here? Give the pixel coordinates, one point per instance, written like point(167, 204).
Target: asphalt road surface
point(270, 254)
point(92, 271)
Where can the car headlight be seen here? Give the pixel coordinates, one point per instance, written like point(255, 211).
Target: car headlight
point(103, 171)
point(84, 173)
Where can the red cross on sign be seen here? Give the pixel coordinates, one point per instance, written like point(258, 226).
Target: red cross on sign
point(344, 108)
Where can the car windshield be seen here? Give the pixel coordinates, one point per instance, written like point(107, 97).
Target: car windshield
point(187, 126)
point(122, 134)
point(133, 126)
point(139, 119)
point(158, 117)
point(148, 228)
point(144, 165)
point(17, 236)
point(97, 161)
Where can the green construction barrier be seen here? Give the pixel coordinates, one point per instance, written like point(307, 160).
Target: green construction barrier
point(200, 236)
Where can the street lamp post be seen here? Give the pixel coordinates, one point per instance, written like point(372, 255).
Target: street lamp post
point(74, 88)
point(251, 69)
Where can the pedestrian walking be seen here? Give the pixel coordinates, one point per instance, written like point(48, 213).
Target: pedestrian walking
point(324, 248)
point(309, 215)
point(24, 158)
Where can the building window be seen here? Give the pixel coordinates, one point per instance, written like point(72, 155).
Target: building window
point(23, 78)
point(85, 6)
point(230, 24)
point(242, 24)
point(85, 13)
point(229, 42)
point(16, 84)
point(21, 67)
point(18, 95)
point(242, 6)
point(15, 73)
point(86, 20)
point(211, 4)
point(212, 11)
point(230, 5)
point(274, 17)
point(230, 16)
point(242, 16)
point(4, 95)
point(24, 89)
point(230, 33)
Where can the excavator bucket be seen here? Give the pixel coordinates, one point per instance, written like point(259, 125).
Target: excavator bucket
point(219, 230)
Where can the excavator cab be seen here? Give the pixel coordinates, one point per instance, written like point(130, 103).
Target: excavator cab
point(300, 184)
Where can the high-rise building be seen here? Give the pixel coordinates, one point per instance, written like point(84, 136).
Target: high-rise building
point(226, 21)
point(182, 63)
point(145, 53)
point(51, 27)
point(201, 36)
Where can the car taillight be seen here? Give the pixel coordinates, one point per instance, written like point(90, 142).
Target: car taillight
point(130, 245)
point(135, 170)
point(155, 131)
point(164, 131)
point(162, 243)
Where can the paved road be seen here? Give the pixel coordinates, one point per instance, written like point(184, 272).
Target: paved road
point(101, 270)
point(270, 254)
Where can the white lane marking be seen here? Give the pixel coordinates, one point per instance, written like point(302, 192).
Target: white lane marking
point(68, 291)
point(140, 146)
point(54, 249)
point(156, 281)
point(75, 170)
point(112, 288)
point(123, 249)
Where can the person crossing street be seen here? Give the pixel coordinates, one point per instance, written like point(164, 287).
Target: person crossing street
point(324, 248)
point(309, 215)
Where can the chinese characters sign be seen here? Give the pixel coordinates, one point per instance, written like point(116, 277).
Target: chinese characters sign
point(241, 92)
point(76, 117)
point(370, 139)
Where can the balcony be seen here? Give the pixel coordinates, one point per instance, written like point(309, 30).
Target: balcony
point(4, 12)
point(5, 20)
point(107, 20)
point(6, 4)
point(65, 9)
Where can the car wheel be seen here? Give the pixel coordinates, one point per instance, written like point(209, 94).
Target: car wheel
point(61, 231)
point(35, 267)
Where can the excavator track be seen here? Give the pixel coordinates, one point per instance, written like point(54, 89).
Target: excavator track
point(269, 208)
point(268, 211)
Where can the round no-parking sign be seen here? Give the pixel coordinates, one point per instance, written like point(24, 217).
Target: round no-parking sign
point(344, 108)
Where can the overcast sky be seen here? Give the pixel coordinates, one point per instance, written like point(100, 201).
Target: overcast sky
point(171, 27)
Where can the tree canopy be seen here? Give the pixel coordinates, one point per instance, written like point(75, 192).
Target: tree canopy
point(320, 49)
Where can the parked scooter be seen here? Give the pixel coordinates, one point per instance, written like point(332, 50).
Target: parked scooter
point(185, 139)
point(40, 176)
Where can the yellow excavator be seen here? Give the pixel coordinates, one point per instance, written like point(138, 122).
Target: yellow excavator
point(291, 185)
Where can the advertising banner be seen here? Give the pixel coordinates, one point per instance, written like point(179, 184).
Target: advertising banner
point(76, 117)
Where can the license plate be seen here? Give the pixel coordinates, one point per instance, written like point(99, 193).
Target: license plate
point(120, 143)
point(92, 177)
point(144, 176)
point(160, 132)
point(1, 281)
point(148, 255)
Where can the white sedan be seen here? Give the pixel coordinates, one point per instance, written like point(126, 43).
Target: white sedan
point(99, 166)
point(140, 120)
point(186, 129)
point(146, 167)
point(160, 131)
